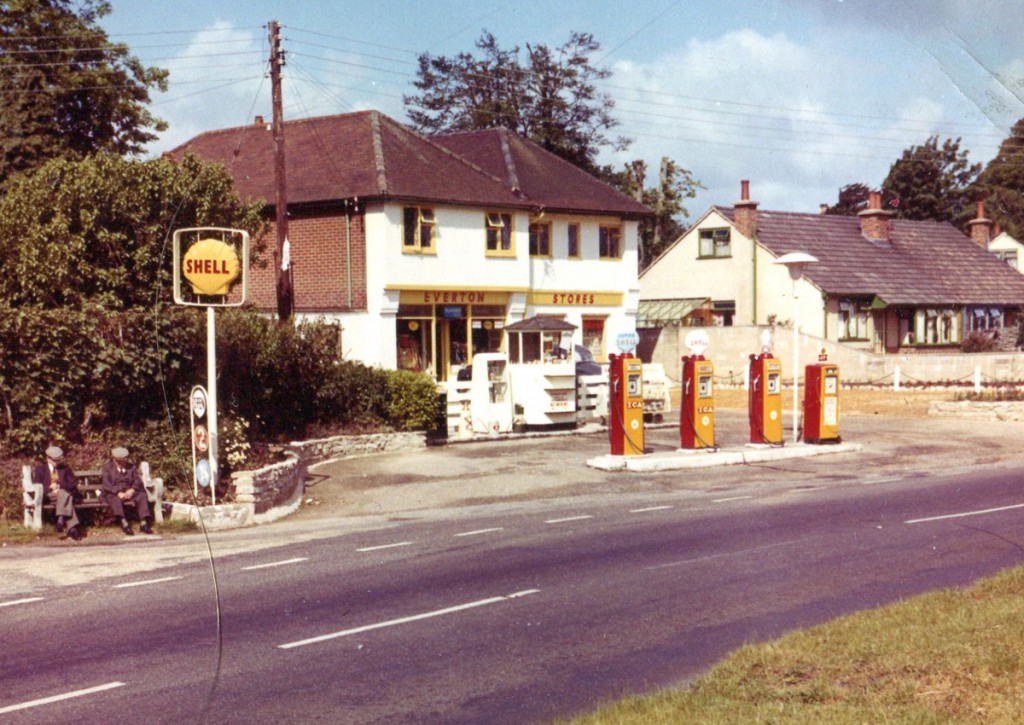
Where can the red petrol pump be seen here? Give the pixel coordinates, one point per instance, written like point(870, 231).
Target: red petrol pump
point(765, 399)
point(697, 407)
point(626, 422)
point(821, 403)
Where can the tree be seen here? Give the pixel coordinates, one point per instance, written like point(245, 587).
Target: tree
point(65, 90)
point(1001, 184)
point(551, 99)
point(931, 182)
point(853, 198)
point(97, 230)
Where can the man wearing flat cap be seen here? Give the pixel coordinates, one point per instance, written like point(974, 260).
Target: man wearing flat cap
point(61, 487)
point(121, 483)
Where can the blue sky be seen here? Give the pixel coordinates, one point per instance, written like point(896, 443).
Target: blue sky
point(799, 96)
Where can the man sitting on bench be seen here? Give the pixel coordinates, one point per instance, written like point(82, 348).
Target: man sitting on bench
point(60, 486)
point(121, 483)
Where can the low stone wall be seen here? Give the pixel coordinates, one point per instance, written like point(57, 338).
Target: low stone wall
point(998, 410)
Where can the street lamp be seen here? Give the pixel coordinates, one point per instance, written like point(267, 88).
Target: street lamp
point(796, 263)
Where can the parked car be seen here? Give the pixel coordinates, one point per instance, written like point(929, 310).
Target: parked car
point(585, 363)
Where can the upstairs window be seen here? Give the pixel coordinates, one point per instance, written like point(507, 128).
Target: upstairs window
point(609, 242)
point(499, 234)
point(574, 241)
point(540, 239)
point(715, 243)
point(418, 230)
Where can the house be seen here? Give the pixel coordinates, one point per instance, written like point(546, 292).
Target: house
point(423, 248)
point(1007, 249)
point(881, 284)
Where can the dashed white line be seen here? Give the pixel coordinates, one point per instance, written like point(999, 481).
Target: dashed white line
point(384, 546)
point(59, 698)
point(481, 531)
point(406, 620)
point(568, 518)
point(147, 582)
point(731, 498)
point(27, 600)
point(286, 562)
point(965, 514)
point(649, 508)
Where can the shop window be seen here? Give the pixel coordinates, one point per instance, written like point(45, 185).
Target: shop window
point(418, 230)
point(593, 336)
point(414, 341)
point(499, 234)
point(715, 243)
point(610, 242)
point(540, 239)
point(573, 233)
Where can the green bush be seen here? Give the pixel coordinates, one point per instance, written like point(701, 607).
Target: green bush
point(413, 403)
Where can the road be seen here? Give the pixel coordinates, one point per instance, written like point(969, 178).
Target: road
point(508, 612)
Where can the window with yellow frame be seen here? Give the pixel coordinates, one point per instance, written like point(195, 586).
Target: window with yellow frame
point(499, 232)
point(609, 242)
point(419, 230)
point(540, 239)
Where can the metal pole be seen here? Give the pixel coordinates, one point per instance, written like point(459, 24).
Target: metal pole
point(211, 397)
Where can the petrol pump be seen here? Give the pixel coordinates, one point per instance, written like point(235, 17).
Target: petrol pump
point(697, 407)
point(821, 403)
point(626, 422)
point(765, 399)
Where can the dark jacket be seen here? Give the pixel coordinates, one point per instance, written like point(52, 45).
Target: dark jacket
point(65, 477)
point(114, 481)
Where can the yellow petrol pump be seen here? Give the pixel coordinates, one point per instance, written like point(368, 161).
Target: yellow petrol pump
point(821, 403)
point(765, 399)
point(626, 424)
point(697, 408)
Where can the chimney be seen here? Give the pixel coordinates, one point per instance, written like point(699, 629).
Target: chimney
point(823, 208)
point(981, 228)
point(259, 121)
point(745, 216)
point(875, 221)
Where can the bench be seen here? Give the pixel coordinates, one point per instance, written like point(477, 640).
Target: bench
point(35, 500)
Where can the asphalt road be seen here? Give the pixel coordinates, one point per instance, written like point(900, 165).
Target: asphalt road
point(506, 608)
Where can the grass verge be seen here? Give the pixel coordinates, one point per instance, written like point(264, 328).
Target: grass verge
point(950, 656)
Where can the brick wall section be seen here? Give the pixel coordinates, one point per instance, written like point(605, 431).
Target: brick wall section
point(319, 264)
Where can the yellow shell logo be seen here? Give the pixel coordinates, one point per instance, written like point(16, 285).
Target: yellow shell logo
point(211, 266)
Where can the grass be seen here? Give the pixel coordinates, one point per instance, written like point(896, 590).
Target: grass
point(953, 656)
point(14, 533)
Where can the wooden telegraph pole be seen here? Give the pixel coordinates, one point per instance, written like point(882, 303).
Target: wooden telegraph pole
point(285, 292)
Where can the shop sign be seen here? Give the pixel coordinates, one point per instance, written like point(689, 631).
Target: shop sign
point(575, 298)
point(210, 265)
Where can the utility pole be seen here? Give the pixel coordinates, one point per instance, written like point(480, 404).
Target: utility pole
point(285, 293)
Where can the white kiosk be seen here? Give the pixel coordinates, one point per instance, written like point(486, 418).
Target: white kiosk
point(490, 396)
point(543, 371)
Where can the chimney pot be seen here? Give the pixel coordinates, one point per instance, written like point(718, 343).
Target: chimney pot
point(874, 200)
point(823, 208)
point(979, 207)
point(259, 120)
point(745, 190)
point(982, 229)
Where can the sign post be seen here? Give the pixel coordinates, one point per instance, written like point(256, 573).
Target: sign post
point(211, 260)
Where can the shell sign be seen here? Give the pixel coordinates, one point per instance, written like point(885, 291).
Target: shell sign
point(210, 265)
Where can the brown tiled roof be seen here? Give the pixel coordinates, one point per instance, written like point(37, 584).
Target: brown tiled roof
point(371, 156)
point(923, 262)
point(545, 179)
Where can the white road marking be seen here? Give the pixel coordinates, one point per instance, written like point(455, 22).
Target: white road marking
point(28, 600)
point(731, 498)
point(965, 513)
point(725, 554)
point(406, 620)
point(568, 518)
point(276, 563)
point(480, 531)
point(384, 546)
point(649, 508)
point(59, 698)
point(147, 582)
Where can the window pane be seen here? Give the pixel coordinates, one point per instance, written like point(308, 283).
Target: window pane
point(574, 240)
point(409, 226)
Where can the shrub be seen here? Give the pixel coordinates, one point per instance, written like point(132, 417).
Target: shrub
point(413, 403)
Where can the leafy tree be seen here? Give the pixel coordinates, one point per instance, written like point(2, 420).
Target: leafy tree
point(931, 182)
point(551, 98)
point(66, 90)
point(675, 185)
point(1001, 184)
point(97, 230)
point(853, 198)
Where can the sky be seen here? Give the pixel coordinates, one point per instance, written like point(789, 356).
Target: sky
point(801, 97)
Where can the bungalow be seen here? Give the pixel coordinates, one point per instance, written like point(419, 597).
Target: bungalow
point(423, 248)
point(880, 284)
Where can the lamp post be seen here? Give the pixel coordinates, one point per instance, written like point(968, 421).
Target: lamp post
point(796, 263)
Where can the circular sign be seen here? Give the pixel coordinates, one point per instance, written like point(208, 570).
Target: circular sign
point(201, 438)
point(198, 402)
point(211, 266)
point(627, 341)
point(696, 342)
point(203, 473)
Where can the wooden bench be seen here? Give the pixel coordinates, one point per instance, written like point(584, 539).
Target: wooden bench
point(35, 500)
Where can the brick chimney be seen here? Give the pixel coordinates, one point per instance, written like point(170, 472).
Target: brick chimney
point(745, 216)
point(981, 228)
point(874, 221)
